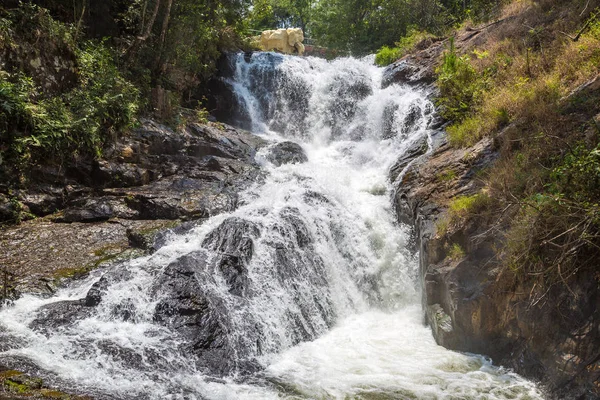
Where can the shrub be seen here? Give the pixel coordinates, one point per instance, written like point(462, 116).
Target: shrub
point(459, 83)
point(386, 55)
point(80, 121)
point(455, 252)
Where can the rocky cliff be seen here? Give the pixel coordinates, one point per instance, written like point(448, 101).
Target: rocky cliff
point(96, 211)
point(473, 301)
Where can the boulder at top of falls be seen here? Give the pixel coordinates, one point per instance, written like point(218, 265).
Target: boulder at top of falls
point(416, 69)
point(287, 153)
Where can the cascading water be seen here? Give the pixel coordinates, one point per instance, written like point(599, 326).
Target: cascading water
point(306, 291)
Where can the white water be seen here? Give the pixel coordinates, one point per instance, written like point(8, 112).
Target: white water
point(353, 292)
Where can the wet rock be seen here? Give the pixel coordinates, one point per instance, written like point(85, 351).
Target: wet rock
point(92, 211)
point(389, 121)
point(414, 150)
point(411, 118)
point(287, 153)
point(55, 315)
point(416, 69)
point(98, 290)
point(187, 309)
point(233, 241)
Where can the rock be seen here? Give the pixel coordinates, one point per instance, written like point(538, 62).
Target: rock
point(54, 315)
point(416, 69)
point(473, 305)
point(42, 200)
point(186, 308)
point(234, 241)
point(414, 150)
point(8, 209)
point(287, 153)
point(93, 210)
point(41, 253)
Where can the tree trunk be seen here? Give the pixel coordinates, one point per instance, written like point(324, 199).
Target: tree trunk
point(132, 50)
point(163, 35)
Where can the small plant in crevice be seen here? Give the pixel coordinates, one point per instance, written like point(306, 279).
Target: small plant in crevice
point(455, 252)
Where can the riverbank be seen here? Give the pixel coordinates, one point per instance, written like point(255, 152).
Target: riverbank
point(477, 297)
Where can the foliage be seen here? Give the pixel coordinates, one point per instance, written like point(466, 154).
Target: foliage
point(272, 14)
point(37, 128)
point(533, 96)
point(362, 26)
point(464, 206)
point(459, 84)
point(387, 55)
point(408, 43)
point(455, 252)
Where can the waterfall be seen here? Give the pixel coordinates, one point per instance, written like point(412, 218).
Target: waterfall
point(308, 290)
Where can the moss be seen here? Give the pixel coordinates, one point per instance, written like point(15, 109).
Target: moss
point(18, 383)
point(15, 387)
point(9, 374)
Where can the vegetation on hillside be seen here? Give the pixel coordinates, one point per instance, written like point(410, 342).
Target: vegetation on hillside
point(534, 87)
point(65, 93)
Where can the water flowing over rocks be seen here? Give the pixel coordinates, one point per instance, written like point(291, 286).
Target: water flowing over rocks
point(294, 281)
point(287, 153)
point(474, 304)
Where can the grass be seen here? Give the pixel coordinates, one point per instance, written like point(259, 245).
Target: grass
point(446, 176)
point(511, 80)
point(522, 86)
point(413, 39)
point(465, 206)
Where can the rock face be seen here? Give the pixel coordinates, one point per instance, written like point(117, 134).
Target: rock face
point(474, 304)
point(417, 69)
point(288, 40)
point(151, 180)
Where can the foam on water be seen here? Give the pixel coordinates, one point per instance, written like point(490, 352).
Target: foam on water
point(355, 299)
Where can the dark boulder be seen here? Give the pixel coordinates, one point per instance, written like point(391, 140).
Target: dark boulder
point(92, 210)
point(55, 315)
point(416, 69)
point(287, 153)
point(188, 308)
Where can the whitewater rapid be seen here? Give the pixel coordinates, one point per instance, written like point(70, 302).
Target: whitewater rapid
point(338, 317)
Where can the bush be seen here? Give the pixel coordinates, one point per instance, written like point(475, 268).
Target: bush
point(460, 85)
point(386, 55)
point(81, 121)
